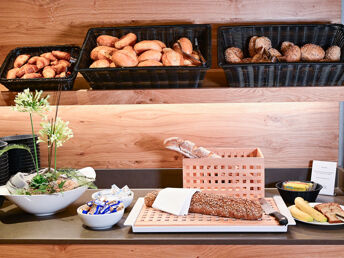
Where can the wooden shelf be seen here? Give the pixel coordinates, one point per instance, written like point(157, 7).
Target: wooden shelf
point(202, 95)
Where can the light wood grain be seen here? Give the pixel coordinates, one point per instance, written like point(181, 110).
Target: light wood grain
point(214, 251)
point(183, 96)
point(48, 22)
point(214, 78)
point(131, 136)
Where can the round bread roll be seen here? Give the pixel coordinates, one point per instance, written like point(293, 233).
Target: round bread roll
point(293, 54)
point(285, 45)
point(333, 54)
point(234, 55)
point(312, 52)
point(274, 52)
point(252, 46)
point(262, 42)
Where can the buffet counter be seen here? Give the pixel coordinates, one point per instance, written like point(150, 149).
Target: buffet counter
point(65, 232)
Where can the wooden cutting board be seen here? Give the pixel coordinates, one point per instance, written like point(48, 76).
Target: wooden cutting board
point(152, 220)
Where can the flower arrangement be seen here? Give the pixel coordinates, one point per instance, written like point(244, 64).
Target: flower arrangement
point(55, 132)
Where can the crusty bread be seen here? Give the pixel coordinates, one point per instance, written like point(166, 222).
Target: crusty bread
point(329, 210)
point(218, 205)
point(188, 148)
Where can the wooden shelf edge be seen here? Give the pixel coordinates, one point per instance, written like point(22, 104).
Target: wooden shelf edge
point(184, 96)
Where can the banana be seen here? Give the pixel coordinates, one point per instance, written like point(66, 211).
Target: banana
point(301, 204)
point(300, 215)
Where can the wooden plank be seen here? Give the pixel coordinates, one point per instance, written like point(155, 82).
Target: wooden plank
point(80, 250)
point(66, 22)
point(130, 136)
point(183, 96)
point(214, 78)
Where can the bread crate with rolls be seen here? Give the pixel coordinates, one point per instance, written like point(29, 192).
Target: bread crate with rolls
point(140, 57)
point(238, 172)
point(282, 55)
point(40, 68)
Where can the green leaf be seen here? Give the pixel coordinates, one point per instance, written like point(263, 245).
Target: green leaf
point(61, 184)
point(17, 147)
point(39, 182)
point(14, 146)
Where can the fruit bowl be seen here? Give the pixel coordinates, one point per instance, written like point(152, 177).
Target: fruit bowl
point(289, 196)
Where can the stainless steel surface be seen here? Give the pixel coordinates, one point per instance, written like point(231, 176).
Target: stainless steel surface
point(266, 206)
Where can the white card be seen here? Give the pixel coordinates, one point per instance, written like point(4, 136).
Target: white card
point(324, 173)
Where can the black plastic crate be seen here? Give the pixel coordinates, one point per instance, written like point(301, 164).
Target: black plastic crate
point(39, 83)
point(282, 74)
point(147, 77)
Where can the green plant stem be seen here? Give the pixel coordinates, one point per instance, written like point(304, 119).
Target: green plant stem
point(34, 145)
point(55, 156)
point(49, 155)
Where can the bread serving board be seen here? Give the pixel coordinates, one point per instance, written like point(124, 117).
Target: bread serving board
point(148, 220)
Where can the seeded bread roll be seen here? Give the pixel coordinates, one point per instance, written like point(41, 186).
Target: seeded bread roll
point(218, 205)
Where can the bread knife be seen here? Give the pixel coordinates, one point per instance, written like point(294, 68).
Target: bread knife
point(270, 211)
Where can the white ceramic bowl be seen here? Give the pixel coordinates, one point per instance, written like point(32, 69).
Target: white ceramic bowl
point(100, 221)
point(113, 197)
point(46, 204)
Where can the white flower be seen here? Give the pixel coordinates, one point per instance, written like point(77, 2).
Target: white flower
point(57, 133)
point(32, 103)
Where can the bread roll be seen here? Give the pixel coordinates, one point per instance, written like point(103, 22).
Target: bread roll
point(188, 148)
point(218, 205)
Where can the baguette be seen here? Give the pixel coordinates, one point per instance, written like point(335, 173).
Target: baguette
point(188, 148)
point(218, 205)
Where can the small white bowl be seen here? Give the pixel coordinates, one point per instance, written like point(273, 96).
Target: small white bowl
point(100, 221)
point(127, 200)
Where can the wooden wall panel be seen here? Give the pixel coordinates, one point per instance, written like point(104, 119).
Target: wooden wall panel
point(147, 251)
point(131, 136)
point(184, 96)
point(42, 22)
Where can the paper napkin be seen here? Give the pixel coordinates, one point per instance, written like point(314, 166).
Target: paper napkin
point(174, 200)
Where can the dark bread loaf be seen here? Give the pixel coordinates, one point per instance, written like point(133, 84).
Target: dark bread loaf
point(218, 205)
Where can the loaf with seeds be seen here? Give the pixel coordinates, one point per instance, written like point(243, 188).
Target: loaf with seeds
point(218, 205)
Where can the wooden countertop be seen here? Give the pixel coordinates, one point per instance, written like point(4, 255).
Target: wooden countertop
point(66, 228)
